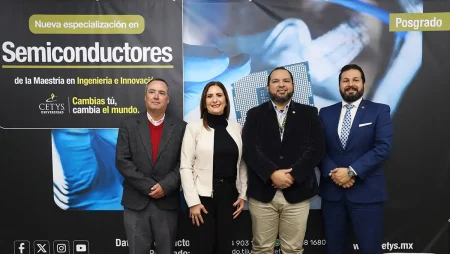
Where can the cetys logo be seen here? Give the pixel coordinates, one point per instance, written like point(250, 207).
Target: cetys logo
point(52, 106)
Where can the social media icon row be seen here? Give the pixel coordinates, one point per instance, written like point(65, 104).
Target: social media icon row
point(44, 247)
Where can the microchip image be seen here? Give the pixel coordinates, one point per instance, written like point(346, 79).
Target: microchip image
point(251, 90)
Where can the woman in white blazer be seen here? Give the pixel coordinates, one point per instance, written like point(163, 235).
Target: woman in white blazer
point(213, 173)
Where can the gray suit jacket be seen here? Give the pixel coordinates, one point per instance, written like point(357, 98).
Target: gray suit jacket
point(134, 161)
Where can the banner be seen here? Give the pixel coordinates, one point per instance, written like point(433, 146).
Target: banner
point(236, 41)
point(72, 70)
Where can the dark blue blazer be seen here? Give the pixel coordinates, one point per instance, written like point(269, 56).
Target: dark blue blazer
point(369, 145)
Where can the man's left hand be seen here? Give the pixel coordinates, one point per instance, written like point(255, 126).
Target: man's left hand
point(349, 183)
point(289, 177)
point(157, 191)
point(340, 176)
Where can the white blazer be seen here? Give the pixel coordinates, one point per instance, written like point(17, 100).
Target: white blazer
point(196, 163)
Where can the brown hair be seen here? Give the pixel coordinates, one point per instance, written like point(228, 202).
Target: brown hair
point(204, 111)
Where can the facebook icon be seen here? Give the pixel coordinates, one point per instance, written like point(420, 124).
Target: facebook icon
point(21, 247)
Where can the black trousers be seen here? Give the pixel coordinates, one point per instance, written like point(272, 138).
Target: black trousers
point(217, 232)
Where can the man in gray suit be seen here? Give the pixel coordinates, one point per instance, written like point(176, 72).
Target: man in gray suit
point(148, 157)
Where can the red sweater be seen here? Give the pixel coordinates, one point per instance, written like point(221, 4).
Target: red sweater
point(155, 136)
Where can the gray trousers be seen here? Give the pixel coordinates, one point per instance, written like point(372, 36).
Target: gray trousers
point(149, 225)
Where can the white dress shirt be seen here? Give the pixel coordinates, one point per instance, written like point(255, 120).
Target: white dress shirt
point(155, 123)
point(281, 115)
point(353, 114)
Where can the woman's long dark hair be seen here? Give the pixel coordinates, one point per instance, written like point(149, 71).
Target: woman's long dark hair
point(204, 110)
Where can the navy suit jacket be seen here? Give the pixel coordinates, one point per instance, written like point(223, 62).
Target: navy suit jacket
point(368, 146)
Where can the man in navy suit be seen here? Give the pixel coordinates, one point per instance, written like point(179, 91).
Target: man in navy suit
point(358, 140)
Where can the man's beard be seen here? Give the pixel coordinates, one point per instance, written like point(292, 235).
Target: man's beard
point(281, 99)
point(352, 98)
